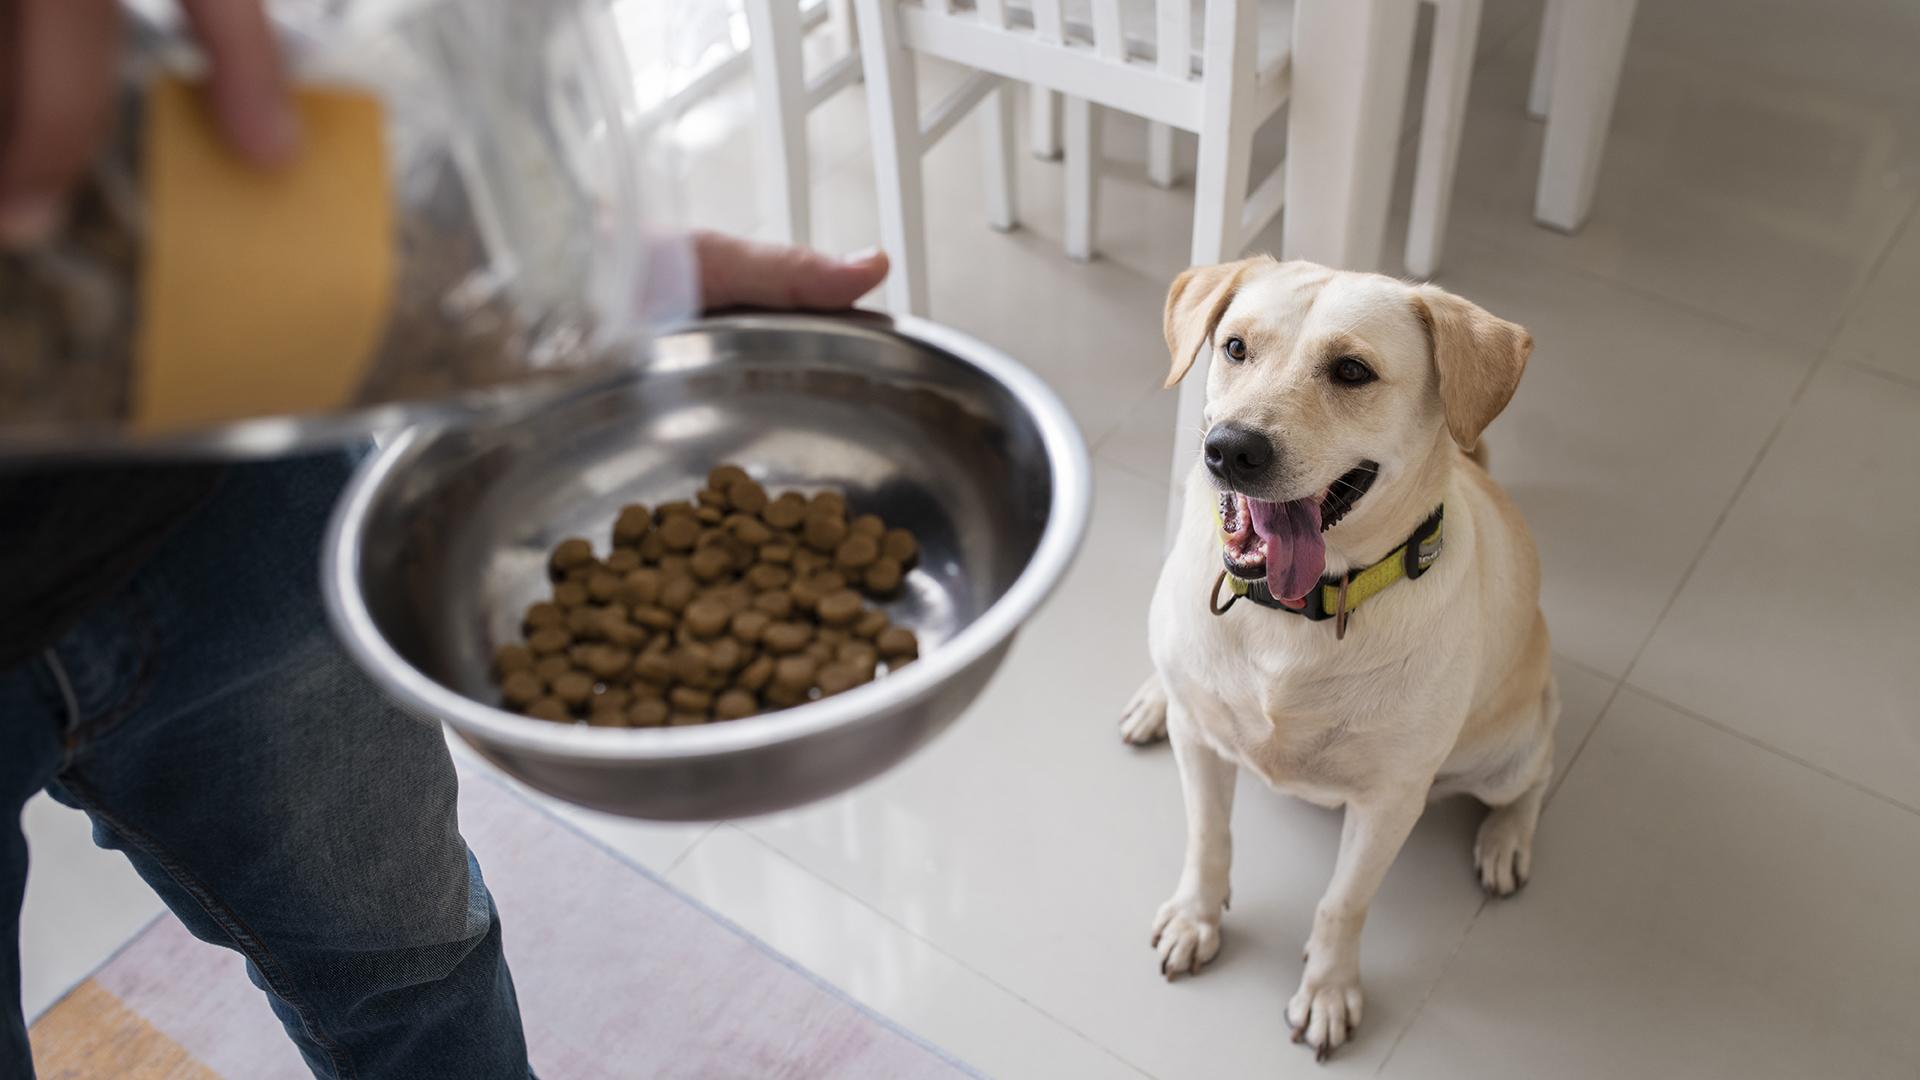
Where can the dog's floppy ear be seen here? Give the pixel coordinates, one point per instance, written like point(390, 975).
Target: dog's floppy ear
point(1479, 358)
point(1196, 301)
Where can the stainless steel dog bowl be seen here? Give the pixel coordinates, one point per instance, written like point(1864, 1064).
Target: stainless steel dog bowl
point(440, 543)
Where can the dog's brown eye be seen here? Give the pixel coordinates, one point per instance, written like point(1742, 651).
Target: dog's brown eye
point(1236, 349)
point(1352, 372)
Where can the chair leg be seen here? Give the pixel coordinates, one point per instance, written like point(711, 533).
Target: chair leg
point(893, 112)
point(1189, 427)
point(1220, 193)
point(846, 37)
point(1588, 55)
point(1043, 123)
point(997, 151)
point(1456, 28)
point(1083, 175)
point(1540, 92)
point(779, 83)
point(1219, 200)
point(1162, 170)
point(1226, 137)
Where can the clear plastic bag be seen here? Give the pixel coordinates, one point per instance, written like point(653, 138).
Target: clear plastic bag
point(526, 252)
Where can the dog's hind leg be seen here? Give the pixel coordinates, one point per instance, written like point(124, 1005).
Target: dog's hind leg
point(1503, 849)
point(1145, 719)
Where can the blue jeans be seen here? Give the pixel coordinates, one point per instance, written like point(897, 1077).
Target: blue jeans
point(206, 721)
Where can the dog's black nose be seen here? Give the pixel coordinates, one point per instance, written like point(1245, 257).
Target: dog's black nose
point(1237, 454)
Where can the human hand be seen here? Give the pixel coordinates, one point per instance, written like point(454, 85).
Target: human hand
point(736, 272)
point(58, 64)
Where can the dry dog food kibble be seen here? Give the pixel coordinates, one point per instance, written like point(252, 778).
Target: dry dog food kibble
point(735, 602)
point(785, 512)
point(900, 546)
point(508, 659)
point(897, 643)
point(522, 688)
point(679, 532)
point(548, 708)
point(571, 553)
point(856, 552)
point(549, 639)
point(883, 577)
point(632, 525)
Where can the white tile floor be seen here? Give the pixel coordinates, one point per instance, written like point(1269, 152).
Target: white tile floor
point(1716, 447)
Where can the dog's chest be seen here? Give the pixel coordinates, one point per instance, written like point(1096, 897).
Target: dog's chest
point(1284, 706)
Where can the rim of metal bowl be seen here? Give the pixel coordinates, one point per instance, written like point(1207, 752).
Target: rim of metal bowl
point(1059, 543)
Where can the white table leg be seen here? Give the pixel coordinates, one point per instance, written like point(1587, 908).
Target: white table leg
point(1350, 67)
point(1540, 90)
point(1588, 55)
point(780, 85)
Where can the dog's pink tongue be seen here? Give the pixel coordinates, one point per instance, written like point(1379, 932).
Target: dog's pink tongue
point(1296, 554)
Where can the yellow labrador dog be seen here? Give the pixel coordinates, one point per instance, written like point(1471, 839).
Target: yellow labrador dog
point(1351, 608)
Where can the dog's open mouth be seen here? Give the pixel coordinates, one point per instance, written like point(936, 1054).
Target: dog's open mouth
point(1281, 541)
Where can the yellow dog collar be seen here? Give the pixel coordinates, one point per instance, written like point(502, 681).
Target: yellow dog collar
point(1337, 598)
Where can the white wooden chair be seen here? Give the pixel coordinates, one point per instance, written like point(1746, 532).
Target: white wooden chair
point(1093, 61)
point(773, 52)
point(1219, 76)
point(786, 96)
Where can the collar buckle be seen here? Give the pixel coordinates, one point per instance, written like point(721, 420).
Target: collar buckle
point(1423, 547)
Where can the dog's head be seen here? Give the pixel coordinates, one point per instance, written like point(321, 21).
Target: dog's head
point(1328, 391)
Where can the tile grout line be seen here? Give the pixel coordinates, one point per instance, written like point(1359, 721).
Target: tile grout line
point(1895, 378)
point(688, 850)
point(1095, 443)
point(1603, 676)
point(1696, 715)
point(1560, 777)
point(916, 936)
point(1601, 718)
point(1822, 361)
point(1433, 987)
point(1620, 682)
point(1519, 252)
point(1466, 931)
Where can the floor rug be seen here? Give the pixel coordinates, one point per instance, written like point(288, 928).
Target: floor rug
point(618, 976)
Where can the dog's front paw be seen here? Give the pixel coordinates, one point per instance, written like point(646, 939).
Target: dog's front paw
point(1325, 1011)
point(1187, 935)
point(1145, 720)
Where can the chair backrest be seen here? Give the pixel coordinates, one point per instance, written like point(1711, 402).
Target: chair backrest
point(1083, 48)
